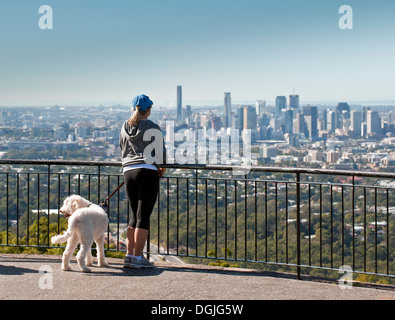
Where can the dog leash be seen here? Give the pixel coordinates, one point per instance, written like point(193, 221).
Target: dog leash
point(104, 204)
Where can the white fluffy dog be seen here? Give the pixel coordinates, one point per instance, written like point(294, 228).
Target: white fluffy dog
point(87, 223)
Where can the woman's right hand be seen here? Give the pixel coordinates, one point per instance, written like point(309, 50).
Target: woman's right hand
point(161, 172)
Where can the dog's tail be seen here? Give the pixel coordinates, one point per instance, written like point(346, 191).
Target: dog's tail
point(65, 236)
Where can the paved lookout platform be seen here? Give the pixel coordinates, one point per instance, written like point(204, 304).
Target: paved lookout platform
point(39, 277)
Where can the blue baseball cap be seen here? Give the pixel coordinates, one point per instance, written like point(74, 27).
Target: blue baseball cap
point(143, 101)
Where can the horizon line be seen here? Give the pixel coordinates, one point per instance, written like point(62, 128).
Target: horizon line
point(201, 104)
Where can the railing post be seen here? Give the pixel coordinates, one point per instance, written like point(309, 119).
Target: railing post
point(98, 183)
point(49, 199)
point(298, 224)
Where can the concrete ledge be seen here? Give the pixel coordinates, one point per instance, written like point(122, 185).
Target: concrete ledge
point(21, 278)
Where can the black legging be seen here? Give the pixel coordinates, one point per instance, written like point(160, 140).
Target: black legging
point(141, 190)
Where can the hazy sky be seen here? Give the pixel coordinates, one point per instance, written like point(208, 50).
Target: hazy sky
point(110, 51)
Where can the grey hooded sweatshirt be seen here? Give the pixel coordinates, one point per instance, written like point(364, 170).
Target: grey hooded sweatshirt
point(142, 143)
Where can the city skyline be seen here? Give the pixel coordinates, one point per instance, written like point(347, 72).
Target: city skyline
point(110, 52)
point(341, 137)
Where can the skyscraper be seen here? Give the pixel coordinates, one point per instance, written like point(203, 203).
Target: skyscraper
point(228, 110)
point(179, 103)
point(373, 122)
point(281, 103)
point(249, 118)
point(188, 110)
point(310, 116)
point(391, 117)
point(215, 123)
point(356, 121)
point(288, 123)
point(324, 119)
point(299, 124)
point(294, 101)
point(342, 113)
point(331, 121)
point(239, 117)
point(260, 107)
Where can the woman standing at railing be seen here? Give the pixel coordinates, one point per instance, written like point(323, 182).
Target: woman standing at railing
point(143, 150)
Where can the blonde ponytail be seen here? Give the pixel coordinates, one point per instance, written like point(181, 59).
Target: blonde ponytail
point(137, 116)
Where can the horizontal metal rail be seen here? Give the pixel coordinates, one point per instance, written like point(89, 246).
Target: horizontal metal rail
point(384, 175)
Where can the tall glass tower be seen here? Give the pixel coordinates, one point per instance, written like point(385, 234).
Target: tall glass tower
point(310, 116)
point(294, 101)
point(228, 110)
point(281, 103)
point(179, 103)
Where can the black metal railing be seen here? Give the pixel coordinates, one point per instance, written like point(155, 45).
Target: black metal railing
point(291, 217)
